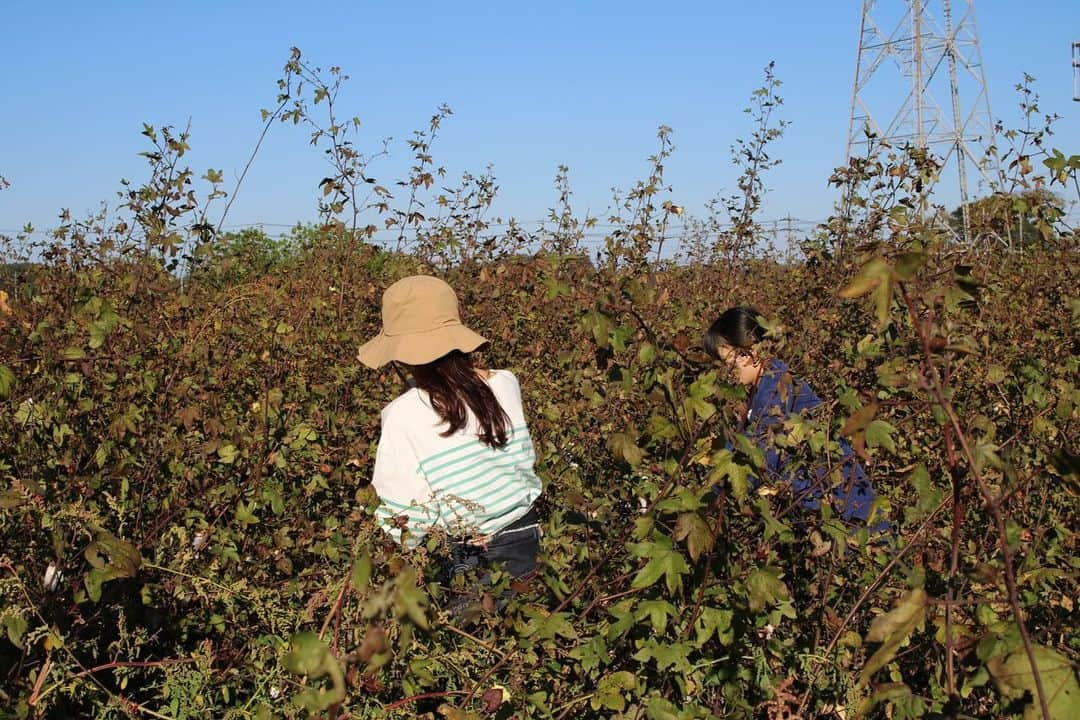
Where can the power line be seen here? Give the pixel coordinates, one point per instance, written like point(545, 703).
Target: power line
point(537, 225)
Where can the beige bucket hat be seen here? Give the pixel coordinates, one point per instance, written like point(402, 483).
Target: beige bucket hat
point(421, 323)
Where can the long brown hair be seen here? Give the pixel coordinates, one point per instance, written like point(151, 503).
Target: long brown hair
point(453, 384)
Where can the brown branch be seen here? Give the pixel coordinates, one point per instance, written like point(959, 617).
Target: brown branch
point(608, 598)
point(954, 561)
point(991, 502)
point(236, 188)
point(473, 638)
point(422, 696)
point(132, 664)
point(336, 608)
point(42, 674)
point(568, 706)
point(871, 588)
point(616, 547)
point(883, 574)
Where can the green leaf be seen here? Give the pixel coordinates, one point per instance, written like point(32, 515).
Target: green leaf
point(1014, 678)
point(449, 712)
point(879, 434)
point(657, 611)
point(929, 496)
point(1013, 533)
point(110, 558)
point(7, 381)
point(882, 300)
point(693, 528)
point(714, 621)
point(774, 527)
point(29, 413)
point(738, 475)
point(647, 354)
point(623, 446)
point(664, 561)
point(245, 514)
point(696, 406)
point(546, 625)
point(620, 336)
point(986, 456)
point(271, 495)
point(610, 689)
point(666, 655)
point(747, 447)
point(361, 571)
point(661, 709)
point(421, 668)
point(697, 398)
point(892, 629)
point(886, 692)
point(592, 653)
point(684, 500)
point(870, 276)
point(94, 579)
point(601, 328)
point(859, 419)
point(307, 655)
point(1004, 638)
point(764, 588)
point(409, 600)
point(15, 625)
point(906, 264)
point(11, 499)
point(624, 619)
point(644, 526)
point(227, 454)
point(660, 428)
point(121, 554)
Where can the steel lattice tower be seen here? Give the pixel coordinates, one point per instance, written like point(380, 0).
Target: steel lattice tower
point(1076, 70)
point(933, 54)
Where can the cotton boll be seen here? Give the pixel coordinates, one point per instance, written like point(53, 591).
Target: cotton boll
point(53, 577)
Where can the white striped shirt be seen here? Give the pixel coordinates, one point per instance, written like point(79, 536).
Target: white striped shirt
point(456, 483)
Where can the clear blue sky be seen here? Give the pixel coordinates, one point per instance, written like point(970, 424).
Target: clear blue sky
point(532, 85)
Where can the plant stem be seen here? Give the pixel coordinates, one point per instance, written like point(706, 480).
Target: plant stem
point(992, 503)
point(422, 696)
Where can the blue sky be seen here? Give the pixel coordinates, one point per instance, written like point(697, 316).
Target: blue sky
point(532, 86)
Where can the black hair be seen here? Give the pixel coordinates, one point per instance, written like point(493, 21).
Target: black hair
point(737, 327)
point(454, 385)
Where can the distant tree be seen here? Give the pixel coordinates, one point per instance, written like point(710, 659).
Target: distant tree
point(17, 279)
point(1012, 219)
point(242, 256)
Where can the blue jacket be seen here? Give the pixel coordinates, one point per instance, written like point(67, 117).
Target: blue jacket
point(777, 396)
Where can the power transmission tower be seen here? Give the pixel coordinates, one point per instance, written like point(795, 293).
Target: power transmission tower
point(1076, 70)
point(912, 52)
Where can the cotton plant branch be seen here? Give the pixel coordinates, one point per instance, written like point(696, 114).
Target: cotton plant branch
point(936, 386)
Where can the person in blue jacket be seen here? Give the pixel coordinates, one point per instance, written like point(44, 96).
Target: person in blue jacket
point(776, 395)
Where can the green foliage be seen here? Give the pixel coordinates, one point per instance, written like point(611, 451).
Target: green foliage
point(187, 528)
point(1017, 220)
point(1015, 678)
point(245, 256)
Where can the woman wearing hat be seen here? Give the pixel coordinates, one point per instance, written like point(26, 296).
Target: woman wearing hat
point(454, 451)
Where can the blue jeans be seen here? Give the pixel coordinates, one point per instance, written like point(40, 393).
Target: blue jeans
point(514, 549)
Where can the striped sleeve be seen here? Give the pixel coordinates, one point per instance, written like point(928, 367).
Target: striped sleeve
point(483, 489)
point(403, 490)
